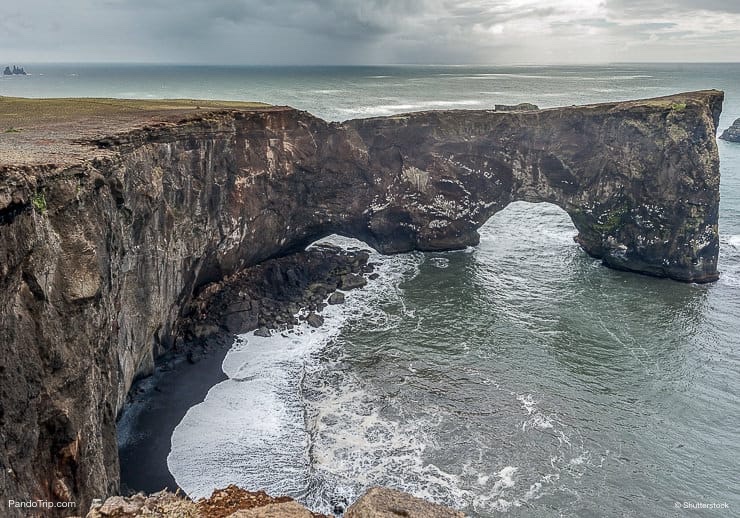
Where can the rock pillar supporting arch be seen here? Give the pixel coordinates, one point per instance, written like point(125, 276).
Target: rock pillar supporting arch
point(639, 179)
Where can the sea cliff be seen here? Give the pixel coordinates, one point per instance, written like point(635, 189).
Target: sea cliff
point(115, 214)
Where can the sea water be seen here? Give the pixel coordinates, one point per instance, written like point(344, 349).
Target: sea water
point(519, 377)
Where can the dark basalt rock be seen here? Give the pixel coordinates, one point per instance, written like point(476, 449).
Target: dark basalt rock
point(315, 320)
point(270, 295)
point(103, 260)
point(263, 332)
point(336, 298)
point(352, 281)
point(732, 134)
point(515, 107)
point(17, 71)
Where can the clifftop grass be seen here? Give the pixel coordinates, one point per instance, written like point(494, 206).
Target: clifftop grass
point(20, 111)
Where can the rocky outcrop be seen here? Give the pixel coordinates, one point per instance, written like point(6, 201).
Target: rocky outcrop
point(102, 249)
point(732, 134)
point(231, 502)
point(270, 295)
point(380, 502)
point(17, 71)
point(234, 502)
point(515, 107)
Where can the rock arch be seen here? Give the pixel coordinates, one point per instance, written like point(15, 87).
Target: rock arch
point(640, 179)
point(101, 250)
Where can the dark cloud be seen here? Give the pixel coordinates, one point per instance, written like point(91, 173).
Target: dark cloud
point(369, 31)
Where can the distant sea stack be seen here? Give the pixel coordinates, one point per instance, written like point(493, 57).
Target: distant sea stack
point(732, 134)
point(15, 71)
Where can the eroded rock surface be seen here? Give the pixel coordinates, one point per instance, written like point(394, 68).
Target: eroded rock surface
point(103, 244)
point(380, 502)
point(234, 502)
point(231, 502)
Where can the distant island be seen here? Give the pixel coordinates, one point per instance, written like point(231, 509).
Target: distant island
point(15, 71)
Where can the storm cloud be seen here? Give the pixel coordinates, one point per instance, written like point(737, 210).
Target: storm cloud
point(370, 31)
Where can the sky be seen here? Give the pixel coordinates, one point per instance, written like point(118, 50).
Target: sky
point(346, 32)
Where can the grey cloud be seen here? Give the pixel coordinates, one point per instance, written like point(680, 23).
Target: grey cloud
point(668, 7)
point(364, 31)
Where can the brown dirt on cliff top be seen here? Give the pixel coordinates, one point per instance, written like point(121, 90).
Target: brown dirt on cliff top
point(49, 131)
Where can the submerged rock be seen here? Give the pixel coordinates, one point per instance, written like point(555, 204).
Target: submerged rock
point(732, 134)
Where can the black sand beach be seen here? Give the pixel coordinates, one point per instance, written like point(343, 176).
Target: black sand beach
point(267, 296)
point(148, 421)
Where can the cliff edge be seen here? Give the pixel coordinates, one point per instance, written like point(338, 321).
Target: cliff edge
point(114, 214)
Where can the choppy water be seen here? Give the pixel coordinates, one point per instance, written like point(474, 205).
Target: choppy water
point(517, 378)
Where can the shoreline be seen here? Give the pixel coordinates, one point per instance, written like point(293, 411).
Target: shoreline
point(269, 297)
point(159, 404)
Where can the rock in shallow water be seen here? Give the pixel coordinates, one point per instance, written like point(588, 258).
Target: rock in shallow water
point(263, 332)
point(352, 281)
point(315, 320)
point(336, 298)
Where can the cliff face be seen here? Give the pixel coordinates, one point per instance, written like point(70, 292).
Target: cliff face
point(98, 255)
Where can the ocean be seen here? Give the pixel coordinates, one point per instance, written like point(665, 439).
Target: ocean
point(516, 378)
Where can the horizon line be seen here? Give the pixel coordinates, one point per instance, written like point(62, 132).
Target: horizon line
point(345, 65)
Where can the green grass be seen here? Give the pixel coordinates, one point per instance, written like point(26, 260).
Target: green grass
point(678, 107)
point(38, 200)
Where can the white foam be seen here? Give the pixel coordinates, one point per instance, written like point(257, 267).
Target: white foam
point(439, 262)
point(391, 109)
point(506, 478)
point(293, 419)
point(251, 429)
point(536, 419)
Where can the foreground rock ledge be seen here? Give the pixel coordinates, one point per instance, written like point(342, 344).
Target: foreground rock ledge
point(234, 502)
point(114, 214)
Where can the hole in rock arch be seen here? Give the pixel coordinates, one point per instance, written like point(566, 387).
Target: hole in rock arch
point(530, 239)
point(528, 267)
